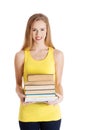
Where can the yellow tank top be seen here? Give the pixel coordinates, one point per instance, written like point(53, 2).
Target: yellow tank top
point(39, 111)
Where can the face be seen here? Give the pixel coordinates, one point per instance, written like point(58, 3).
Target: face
point(39, 31)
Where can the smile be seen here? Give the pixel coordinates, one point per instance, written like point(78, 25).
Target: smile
point(38, 38)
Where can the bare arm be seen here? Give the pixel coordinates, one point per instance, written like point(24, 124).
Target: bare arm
point(59, 63)
point(19, 62)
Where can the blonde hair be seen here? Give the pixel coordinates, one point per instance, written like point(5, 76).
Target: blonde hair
point(28, 42)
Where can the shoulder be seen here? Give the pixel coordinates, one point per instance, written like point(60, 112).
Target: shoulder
point(19, 56)
point(58, 55)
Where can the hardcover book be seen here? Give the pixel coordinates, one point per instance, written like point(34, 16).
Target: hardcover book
point(40, 77)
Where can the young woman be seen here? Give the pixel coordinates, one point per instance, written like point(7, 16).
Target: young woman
point(38, 56)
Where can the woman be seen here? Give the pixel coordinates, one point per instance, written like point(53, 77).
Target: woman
point(38, 55)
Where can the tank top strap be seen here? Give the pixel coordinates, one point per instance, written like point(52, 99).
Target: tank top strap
point(25, 55)
point(51, 51)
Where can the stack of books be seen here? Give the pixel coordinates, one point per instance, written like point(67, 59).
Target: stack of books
point(40, 88)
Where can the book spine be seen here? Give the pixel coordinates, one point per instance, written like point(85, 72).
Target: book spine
point(32, 87)
point(41, 95)
point(39, 91)
point(45, 99)
point(39, 83)
point(41, 77)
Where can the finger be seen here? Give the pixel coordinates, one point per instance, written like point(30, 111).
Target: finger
point(23, 95)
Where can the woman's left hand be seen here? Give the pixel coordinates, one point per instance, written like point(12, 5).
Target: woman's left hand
point(55, 102)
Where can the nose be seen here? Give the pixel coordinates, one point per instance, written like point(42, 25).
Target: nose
point(37, 32)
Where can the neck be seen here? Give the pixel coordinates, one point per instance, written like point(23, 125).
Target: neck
point(39, 47)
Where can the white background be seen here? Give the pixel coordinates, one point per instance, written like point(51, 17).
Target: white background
point(68, 21)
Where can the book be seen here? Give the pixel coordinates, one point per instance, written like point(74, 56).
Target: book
point(44, 91)
point(40, 77)
point(36, 87)
point(47, 82)
point(40, 95)
point(40, 99)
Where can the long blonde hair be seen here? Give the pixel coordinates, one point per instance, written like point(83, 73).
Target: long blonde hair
point(28, 42)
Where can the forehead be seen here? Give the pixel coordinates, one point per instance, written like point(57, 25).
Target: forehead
point(39, 23)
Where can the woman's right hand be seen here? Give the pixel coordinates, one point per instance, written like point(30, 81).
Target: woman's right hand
point(22, 97)
point(21, 94)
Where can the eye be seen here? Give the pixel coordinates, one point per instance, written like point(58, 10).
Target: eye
point(42, 29)
point(34, 29)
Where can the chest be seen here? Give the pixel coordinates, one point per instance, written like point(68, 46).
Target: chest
point(43, 66)
point(40, 55)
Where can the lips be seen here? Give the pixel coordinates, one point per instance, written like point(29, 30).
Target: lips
point(38, 38)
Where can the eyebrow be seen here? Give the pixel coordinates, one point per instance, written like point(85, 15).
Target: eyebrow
point(40, 28)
